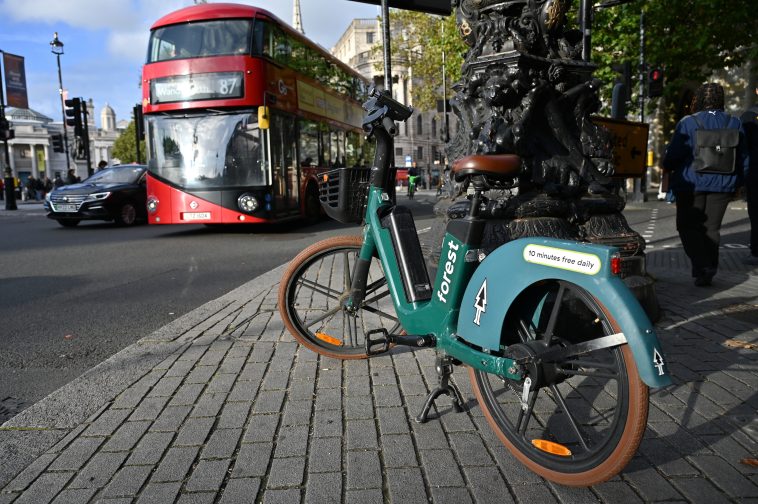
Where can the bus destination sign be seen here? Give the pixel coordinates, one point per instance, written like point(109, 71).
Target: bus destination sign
point(207, 86)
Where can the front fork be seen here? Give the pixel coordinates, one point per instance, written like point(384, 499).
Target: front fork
point(359, 276)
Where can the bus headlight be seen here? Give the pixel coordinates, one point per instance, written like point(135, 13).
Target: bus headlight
point(152, 204)
point(247, 203)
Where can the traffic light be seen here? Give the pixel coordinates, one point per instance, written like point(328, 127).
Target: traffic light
point(625, 78)
point(57, 140)
point(6, 133)
point(139, 121)
point(74, 115)
point(655, 83)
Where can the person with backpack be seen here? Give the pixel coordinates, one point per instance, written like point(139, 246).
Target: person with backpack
point(750, 125)
point(708, 161)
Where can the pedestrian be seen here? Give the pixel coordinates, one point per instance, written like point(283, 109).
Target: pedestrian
point(58, 182)
point(102, 165)
point(30, 190)
point(750, 125)
point(39, 189)
point(71, 177)
point(48, 184)
point(702, 192)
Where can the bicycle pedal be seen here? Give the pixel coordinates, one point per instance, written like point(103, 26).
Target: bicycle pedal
point(377, 341)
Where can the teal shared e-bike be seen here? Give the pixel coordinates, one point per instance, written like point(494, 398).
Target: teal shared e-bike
point(559, 352)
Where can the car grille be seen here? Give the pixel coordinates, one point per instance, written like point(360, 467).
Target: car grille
point(71, 199)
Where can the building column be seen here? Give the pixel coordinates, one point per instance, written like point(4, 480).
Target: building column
point(48, 162)
point(34, 161)
point(13, 159)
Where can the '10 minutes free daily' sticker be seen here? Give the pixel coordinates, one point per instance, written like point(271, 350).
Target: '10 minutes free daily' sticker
point(579, 262)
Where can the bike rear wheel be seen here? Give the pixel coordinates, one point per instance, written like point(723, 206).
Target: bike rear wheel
point(584, 416)
point(312, 292)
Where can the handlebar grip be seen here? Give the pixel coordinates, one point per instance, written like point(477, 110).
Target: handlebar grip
point(389, 125)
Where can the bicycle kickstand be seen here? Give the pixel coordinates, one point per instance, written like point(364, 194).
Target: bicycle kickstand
point(444, 366)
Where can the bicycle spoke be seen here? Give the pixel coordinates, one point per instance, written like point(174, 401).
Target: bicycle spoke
point(321, 289)
point(376, 285)
point(555, 312)
point(379, 312)
point(327, 314)
point(377, 297)
point(572, 421)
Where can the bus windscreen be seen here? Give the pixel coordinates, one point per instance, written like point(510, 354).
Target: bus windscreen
point(208, 151)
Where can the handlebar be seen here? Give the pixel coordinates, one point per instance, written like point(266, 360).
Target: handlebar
point(383, 111)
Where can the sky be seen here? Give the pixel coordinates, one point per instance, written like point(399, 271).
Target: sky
point(105, 43)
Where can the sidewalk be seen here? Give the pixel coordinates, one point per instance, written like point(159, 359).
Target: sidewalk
point(223, 406)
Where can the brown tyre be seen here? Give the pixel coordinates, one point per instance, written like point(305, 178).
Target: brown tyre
point(312, 292)
point(581, 419)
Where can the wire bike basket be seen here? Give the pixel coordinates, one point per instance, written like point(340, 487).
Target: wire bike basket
point(343, 193)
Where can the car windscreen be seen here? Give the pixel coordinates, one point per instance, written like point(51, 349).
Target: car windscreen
point(200, 39)
point(206, 151)
point(124, 175)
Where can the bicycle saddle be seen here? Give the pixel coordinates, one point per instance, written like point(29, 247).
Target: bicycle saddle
point(495, 166)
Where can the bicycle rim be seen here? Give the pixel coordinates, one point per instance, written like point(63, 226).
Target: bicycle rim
point(584, 419)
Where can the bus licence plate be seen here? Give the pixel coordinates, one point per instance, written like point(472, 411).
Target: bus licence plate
point(65, 208)
point(196, 215)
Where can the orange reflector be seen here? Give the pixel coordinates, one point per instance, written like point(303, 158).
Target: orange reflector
point(616, 265)
point(550, 447)
point(328, 339)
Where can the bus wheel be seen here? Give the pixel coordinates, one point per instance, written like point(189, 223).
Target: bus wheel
point(312, 205)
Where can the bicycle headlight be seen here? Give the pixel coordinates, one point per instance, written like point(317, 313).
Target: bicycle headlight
point(247, 203)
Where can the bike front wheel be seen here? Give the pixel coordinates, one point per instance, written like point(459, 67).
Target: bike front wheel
point(312, 292)
point(581, 418)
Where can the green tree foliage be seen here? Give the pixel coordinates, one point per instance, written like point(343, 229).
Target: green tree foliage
point(125, 146)
point(423, 40)
point(689, 39)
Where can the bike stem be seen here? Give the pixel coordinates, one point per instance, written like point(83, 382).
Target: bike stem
point(382, 159)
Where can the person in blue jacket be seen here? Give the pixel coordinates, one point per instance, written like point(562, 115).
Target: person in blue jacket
point(702, 199)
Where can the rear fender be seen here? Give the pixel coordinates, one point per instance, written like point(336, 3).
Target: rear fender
point(515, 266)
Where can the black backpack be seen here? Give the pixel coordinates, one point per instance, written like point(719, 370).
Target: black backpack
point(715, 149)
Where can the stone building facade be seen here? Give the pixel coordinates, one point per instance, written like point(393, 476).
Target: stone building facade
point(419, 143)
point(31, 151)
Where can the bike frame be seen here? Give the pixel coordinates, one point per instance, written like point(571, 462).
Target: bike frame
point(478, 345)
point(439, 315)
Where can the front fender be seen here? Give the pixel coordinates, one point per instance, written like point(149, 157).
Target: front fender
point(515, 266)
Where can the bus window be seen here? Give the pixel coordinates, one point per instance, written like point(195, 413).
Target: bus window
point(206, 38)
point(338, 148)
point(353, 149)
point(283, 158)
point(308, 143)
point(324, 158)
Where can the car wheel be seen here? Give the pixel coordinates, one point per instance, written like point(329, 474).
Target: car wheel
point(127, 215)
point(68, 222)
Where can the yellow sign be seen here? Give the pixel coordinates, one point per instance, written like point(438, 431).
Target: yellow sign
point(629, 145)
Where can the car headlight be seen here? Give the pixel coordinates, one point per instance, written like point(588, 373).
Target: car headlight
point(98, 196)
point(47, 197)
point(247, 203)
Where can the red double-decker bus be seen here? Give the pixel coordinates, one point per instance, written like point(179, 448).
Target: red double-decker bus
point(242, 113)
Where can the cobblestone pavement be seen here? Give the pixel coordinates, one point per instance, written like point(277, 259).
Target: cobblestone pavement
point(222, 406)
